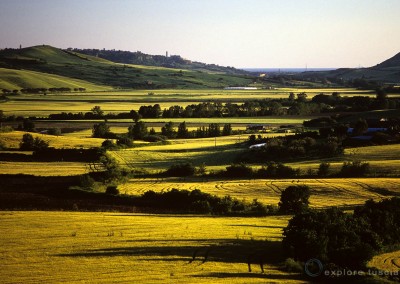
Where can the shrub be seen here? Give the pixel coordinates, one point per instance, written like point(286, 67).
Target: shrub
point(291, 265)
point(108, 144)
point(323, 169)
point(54, 131)
point(112, 190)
point(125, 141)
point(181, 170)
point(30, 143)
point(277, 170)
point(86, 182)
point(354, 169)
point(239, 170)
point(2, 145)
point(154, 138)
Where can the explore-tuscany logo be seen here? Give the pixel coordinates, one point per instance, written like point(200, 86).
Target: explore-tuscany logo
point(315, 268)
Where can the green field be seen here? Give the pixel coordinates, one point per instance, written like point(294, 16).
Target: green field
point(55, 247)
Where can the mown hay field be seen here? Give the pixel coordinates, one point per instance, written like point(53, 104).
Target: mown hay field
point(324, 192)
point(72, 247)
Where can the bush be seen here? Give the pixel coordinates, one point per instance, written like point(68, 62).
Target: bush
point(199, 202)
point(239, 170)
point(181, 170)
point(54, 131)
point(86, 182)
point(154, 138)
point(108, 144)
point(354, 169)
point(112, 190)
point(323, 169)
point(291, 265)
point(277, 170)
point(2, 145)
point(125, 141)
point(32, 144)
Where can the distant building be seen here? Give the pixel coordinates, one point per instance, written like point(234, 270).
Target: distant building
point(240, 88)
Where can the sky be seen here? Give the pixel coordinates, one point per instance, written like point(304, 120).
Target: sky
point(238, 33)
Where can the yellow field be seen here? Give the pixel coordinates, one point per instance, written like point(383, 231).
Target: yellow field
point(55, 247)
point(120, 101)
point(386, 262)
point(12, 140)
point(44, 168)
point(324, 192)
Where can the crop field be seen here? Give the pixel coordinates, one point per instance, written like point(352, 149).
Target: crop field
point(386, 262)
point(121, 101)
point(324, 192)
point(44, 168)
point(55, 247)
point(12, 140)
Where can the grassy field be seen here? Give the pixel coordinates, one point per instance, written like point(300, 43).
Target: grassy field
point(55, 247)
point(44, 168)
point(11, 79)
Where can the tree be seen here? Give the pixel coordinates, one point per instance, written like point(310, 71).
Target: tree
point(101, 130)
point(138, 130)
point(168, 130)
point(227, 130)
point(294, 199)
point(183, 132)
point(1, 115)
point(214, 130)
point(360, 128)
point(323, 169)
point(28, 125)
point(331, 236)
point(32, 144)
point(97, 111)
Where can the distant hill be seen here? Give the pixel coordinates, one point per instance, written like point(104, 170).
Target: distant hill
point(391, 62)
point(386, 72)
point(172, 61)
point(96, 71)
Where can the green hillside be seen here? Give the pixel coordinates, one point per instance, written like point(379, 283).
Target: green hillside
point(12, 79)
point(50, 60)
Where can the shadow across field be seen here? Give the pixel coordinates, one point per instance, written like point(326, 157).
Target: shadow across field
point(198, 250)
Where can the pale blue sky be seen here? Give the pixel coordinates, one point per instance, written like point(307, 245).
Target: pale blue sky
point(239, 33)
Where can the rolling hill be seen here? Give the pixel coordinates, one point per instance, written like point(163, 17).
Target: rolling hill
point(386, 72)
point(91, 70)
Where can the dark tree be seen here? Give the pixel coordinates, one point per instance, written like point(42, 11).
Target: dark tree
point(97, 111)
point(168, 130)
point(294, 199)
point(360, 128)
point(227, 130)
point(28, 125)
point(323, 169)
point(32, 144)
point(183, 132)
point(101, 130)
point(138, 130)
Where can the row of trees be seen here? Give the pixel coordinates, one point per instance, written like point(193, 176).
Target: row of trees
point(42, 90)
